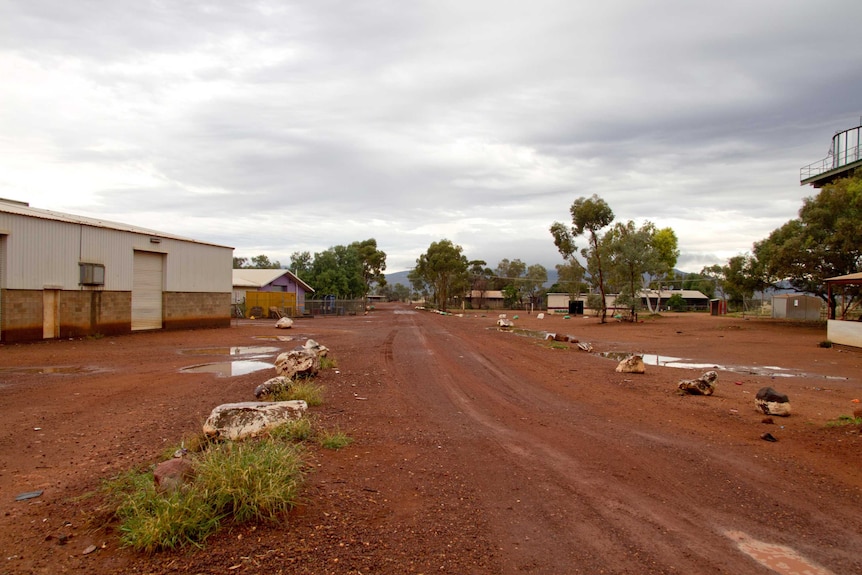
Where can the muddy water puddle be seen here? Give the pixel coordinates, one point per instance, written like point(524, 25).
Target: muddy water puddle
point(683, 363)
point(237, 350)
point(229, 368)
point(249, 360)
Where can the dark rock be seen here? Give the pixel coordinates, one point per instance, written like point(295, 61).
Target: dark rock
point(172, 474)
point(768, 437)
point(770, 402)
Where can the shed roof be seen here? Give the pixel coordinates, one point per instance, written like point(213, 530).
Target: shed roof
point(24, 209)
point(487, 294)
point(245, 277)
point(848, 279)
point(665, 294)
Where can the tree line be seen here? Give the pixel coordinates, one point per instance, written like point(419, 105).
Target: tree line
point(824, 241)
point(621, 258)
point(346, 272)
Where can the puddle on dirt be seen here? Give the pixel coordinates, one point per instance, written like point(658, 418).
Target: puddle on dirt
point(779, 558)
point(678, 362)
point(238, 350)
point(522, 332)
point(229, 368)
point(662, 360)
point(275, 337)
point(48, 370)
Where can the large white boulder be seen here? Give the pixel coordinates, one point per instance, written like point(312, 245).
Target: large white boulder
point(239, 420)
point(298, 362)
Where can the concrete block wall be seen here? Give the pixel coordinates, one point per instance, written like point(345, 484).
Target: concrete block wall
point(21, 315)
point(190, 310)
point(84, 313)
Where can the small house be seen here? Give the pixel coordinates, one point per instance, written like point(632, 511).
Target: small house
point(255, 291)
point(486, 299)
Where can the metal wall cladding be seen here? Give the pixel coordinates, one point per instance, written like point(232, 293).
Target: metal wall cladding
point(45, 253)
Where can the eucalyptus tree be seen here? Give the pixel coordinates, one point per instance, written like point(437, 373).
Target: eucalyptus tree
point(635, 255)
point(589, 216)
point(443, 268)
point(372, 262)
point(824, 241)
point(534, 281)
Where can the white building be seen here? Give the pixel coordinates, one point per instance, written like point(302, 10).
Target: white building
point(67, 276)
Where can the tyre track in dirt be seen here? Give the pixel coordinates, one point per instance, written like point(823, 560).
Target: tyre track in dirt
point(581, 492)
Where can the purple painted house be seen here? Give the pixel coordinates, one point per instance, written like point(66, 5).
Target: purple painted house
point(270, 281)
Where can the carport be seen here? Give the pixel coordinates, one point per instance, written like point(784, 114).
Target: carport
point(842, 331)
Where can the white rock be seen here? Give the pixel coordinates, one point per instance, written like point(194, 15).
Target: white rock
point(238, 420)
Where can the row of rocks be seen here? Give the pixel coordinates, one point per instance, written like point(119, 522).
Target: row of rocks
point(767, 400)
point(237, 421)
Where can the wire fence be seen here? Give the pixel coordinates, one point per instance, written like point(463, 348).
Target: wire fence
point(334, 307)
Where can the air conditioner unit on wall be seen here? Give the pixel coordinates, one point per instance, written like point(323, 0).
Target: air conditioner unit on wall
point(91, 274)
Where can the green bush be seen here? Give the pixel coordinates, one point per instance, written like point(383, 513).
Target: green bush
point(252, 480)
point(677, 303)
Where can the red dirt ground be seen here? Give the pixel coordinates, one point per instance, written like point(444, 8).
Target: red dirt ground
point(476, 451)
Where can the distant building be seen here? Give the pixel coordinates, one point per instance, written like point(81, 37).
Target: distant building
point(796, 306)
point(563, 303)
point(266, 288)
point(486, 299)
point(694, 299)
point(65, 276)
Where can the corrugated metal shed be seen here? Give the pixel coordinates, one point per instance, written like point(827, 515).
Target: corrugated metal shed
point(44, 249)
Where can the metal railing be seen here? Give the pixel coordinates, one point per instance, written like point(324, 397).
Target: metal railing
point(830, 163)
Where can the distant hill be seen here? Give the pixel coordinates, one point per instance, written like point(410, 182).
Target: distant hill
point(398, 278)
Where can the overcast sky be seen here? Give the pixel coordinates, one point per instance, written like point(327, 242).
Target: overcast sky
point(276, 127)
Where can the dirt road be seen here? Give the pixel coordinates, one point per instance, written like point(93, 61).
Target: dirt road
point(476, 450)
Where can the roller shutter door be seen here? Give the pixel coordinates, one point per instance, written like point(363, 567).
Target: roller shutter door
point(147, 291)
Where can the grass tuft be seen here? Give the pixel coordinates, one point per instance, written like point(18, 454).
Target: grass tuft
point(327, 362)
point(334, 439)
point(300, 429)
point(304, 389)
point(252, 480)
point(844, 420)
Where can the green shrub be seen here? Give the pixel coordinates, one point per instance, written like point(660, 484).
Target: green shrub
point(252, 480)
point(299, 429)
point(844, 420)
point(304, 389)
point(334, 439)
